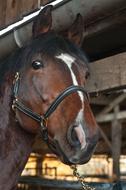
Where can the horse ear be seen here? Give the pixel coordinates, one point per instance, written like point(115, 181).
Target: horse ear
point(75, 33)
point(42, 22)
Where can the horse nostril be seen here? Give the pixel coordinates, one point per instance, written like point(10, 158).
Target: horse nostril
point(72, 137)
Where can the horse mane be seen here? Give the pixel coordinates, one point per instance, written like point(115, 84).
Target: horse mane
point(50, 44)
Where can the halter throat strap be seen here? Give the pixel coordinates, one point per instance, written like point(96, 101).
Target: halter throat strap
point(42, 119)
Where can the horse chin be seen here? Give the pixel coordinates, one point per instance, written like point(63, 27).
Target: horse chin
point(82, 156)
point(78, 156)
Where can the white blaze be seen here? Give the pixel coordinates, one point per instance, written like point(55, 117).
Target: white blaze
point(69, 60)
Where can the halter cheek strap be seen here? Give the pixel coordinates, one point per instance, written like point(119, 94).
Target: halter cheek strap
point(27, 111)
point(42, 119)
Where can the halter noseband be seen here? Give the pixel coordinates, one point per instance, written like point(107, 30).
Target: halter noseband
point(42, 119)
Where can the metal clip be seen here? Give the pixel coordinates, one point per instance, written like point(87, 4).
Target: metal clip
point(17, 76)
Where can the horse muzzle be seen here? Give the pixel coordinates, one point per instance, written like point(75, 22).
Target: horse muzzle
point(77, 149)
point(83, 146)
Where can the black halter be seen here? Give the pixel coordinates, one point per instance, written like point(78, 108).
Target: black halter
point(42, 119)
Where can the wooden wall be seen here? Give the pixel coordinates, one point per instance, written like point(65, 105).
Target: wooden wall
point(14, 10)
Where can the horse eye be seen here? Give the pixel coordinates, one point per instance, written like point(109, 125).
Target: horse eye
point(37, 65)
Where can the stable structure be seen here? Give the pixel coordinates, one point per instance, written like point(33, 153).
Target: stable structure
point(105, 45)
point(104, 24)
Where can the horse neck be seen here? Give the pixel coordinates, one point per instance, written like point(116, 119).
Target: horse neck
point(15, 144)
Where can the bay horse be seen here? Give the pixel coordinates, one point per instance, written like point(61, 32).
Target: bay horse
point(42, 91)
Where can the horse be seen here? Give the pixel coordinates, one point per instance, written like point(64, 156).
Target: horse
point(42, 92)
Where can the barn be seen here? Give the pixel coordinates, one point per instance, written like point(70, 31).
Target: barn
point(104, 44)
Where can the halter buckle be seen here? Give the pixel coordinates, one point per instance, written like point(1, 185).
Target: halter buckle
point(43, 129)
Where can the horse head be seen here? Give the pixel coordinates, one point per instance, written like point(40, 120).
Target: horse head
point(49, 64)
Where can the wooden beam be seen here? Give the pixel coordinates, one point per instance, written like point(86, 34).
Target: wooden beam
point(110, 116)
point(107, 74)
point(104, 117)
point(101, 100)
point(112, 104)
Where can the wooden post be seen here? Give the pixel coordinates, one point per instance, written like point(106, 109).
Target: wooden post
point(39, 166)
point(39, 171)
point(116, 144)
